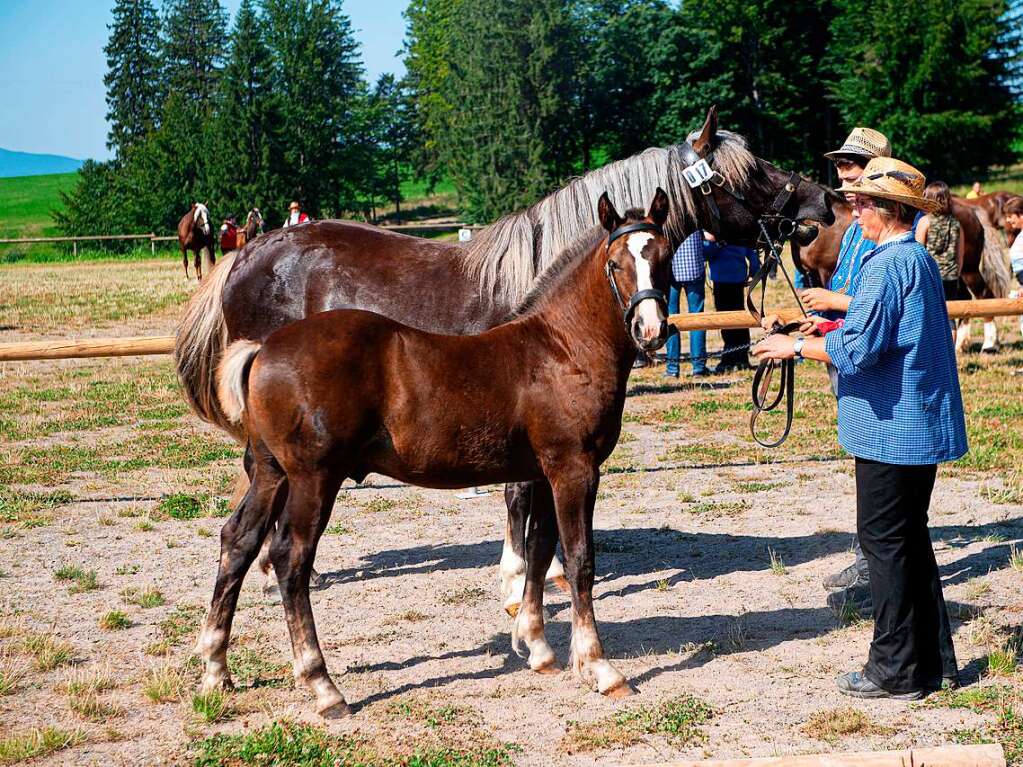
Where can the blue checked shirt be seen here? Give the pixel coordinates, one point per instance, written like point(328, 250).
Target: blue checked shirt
point(898, 386)
point(687, 263)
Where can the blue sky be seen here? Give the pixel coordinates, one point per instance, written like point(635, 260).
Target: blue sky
point(52, 66)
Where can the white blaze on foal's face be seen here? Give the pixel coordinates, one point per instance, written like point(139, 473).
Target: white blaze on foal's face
point(647, 309)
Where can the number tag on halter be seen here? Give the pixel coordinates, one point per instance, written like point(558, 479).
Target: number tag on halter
point(697, 174)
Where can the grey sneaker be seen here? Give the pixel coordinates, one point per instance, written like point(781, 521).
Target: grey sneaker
point(842, 579)
point(856, 685)
point(855, 598)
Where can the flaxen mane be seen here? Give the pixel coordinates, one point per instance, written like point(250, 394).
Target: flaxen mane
point(507, 257)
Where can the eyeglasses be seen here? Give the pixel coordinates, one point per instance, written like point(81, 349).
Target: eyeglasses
point(861, 203)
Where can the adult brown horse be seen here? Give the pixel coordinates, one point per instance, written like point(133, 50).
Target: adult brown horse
point(463, 289)
point(345, 393)
point(196, 234)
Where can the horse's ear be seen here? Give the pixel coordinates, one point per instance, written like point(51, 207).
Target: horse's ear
point(609, 218)
point(704, 144)
point(659, 207)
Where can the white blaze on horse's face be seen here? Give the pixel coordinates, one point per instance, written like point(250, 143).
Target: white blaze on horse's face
point(202, 217)
point(648, 311)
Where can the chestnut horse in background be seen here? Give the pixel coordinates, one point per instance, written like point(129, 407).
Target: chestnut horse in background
point(196, 234)
point(539, 399)
point(457, 288)
point(993, 204)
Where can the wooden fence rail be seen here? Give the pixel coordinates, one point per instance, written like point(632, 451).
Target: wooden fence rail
point(130, 346)
point(153, 238)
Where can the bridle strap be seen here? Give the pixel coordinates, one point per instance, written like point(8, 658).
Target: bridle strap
point(639, 226)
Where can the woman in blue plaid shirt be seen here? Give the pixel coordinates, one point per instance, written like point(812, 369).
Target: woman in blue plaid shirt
point(900, 414)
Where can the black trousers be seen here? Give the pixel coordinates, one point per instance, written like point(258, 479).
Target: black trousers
point(912, 647)
point(728, 296)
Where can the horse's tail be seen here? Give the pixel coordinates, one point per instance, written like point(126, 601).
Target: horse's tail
point(201, 338)
point(232, 377)
point(994, 263)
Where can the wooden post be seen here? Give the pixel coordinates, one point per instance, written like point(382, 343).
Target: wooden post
point(74, 248)
point(88, 347)
point(152, 245)
point(988, 307)
point(987, 755)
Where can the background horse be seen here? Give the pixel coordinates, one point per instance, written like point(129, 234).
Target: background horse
point(993, 204)
point(253, 226)
point(981, 271)
point(459, 288)
point(348, 392)
point(196, 234)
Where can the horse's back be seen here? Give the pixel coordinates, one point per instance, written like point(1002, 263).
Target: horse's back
point(285, 275)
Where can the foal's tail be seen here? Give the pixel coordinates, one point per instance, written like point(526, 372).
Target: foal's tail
point(201, 338)
point(233, 378)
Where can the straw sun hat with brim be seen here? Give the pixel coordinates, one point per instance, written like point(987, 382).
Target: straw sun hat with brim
point(863, 143)
point(892, 179)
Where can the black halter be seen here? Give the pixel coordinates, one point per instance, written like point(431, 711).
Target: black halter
point(611, 267)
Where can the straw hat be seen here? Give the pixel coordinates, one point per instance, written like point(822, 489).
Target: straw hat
point(294, 206)
point(865, 143)
point(892, 179)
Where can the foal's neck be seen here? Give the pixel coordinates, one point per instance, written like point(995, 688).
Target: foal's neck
point(580, 309)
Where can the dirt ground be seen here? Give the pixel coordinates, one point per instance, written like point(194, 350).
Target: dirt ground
point(710, 554)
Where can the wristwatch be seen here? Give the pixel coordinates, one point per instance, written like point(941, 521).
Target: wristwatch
point(797, 347)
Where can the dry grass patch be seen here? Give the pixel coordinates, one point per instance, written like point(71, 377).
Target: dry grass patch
point(163, 685)
point(37, 742)
point(831, 724)
point(144, 598)
point(12, 671)
point(48, 652)
point(679, 720)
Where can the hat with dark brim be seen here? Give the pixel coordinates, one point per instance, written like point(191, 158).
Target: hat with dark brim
point(863, 143)
point(895, 180)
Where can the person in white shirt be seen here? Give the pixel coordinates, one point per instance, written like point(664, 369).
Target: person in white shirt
point(295, 215)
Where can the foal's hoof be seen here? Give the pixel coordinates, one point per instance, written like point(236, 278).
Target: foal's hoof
point(512, 608)
point(337, 710)
point(624, 690)
point(561, 583)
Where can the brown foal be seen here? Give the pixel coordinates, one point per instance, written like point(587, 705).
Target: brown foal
point(345, 393)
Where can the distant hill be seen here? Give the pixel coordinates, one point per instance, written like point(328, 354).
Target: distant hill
point(27, 205)
point(29, 164)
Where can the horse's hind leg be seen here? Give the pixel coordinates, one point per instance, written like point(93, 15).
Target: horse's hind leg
point(310, 499)
point(184, 260)
point(513, 563)
point(540, 542)
point(198, 263)
point(240, 539)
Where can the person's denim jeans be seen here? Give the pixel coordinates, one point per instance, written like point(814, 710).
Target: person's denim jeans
point(694, 290)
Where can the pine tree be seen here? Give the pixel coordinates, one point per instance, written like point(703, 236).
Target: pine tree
point(934, 76)
point(195, 35)
point(392, 138)
point(246, 156)
point(513, 133)
point(429, 28)
point(318, 76)
point(761, 63)
point(133, 73)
